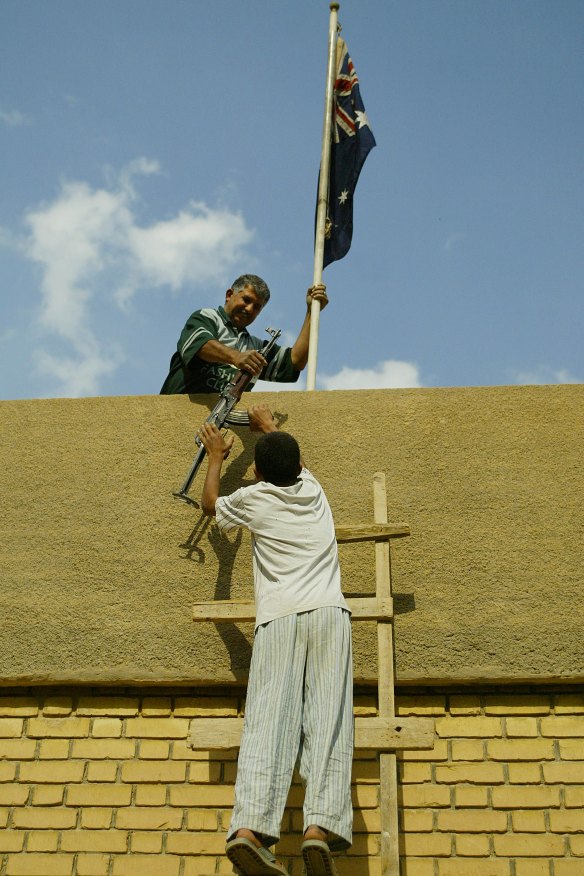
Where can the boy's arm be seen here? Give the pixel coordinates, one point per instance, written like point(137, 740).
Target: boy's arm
point(217, 450)
point(261, 420)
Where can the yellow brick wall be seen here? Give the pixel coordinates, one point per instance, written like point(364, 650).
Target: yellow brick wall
point(101, 783)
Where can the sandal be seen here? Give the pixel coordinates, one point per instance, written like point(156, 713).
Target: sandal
point(252, 860)
point(317, 858)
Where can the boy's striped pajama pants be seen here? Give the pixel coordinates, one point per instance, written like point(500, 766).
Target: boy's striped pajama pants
point(299, 707)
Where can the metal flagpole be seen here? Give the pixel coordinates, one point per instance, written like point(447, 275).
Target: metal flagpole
point(322, 202)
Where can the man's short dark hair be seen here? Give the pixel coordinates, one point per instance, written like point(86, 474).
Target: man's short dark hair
point(260, 286)
point(277, 458)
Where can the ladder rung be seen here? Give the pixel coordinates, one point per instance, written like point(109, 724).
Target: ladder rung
point(232, 611)
point(370, 532)
point(378, 734)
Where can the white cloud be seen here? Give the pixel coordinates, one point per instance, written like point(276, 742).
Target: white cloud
point(390, 374)
point(545, 375)
point(93, 252)
point(13, 118)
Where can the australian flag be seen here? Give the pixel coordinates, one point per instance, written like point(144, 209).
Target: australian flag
point(352, 140)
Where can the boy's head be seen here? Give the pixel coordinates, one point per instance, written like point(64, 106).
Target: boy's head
point(277, 458)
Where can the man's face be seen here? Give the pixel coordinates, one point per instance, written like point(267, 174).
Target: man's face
point(242, 307)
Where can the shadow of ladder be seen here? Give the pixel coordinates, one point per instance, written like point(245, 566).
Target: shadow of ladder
point(385, 733)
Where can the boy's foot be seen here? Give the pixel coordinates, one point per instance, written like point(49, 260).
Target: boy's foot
point(316, 853)
point(251, 858)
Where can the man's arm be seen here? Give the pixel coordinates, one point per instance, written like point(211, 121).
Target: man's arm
point(217, 450)
point(299, 351)
point(248, 360)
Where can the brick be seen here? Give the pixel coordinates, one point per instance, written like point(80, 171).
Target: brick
point(476, 867)
point(567, 822)
point(576, 844)
point(158, 771)
point(468, 796)
point(574, 797)
point(13, 795)
point(520, 749)
point(416, 820)
point(11, 841)
point(202, 795)
point(148, 842)
point(472, 728)
point(69, 728)
point(108, 705)
point(106, 727)
point(92, 865)
point(102, 771)
point(526, 797)
point(7, 772)
point(103, 749)
point(415, 867)
point(42, 841)
point(157, 728)
point(568, 868)
point(472, 773)
point(413, 772)
point(421, 706)
point(11, 728)
point(54, 749)
point(195, 843)
point(48, 795)
point(521, 727)
point(528, 821)
point(517, 704)
point(99, 795)
point(463, 704)
point(94, 841)
point(156, 706)
point(47, 772)
point(531, 867)
point(569, 704)
point(439, 752)
point(363, 771)
point(571, 749)
point(569, 773)
point(206, 707)
point(17, 749)
point(425, 796)
point(433, 845)
point(4, 817)
point(467, 749)
point(57, 706)
point(154, 749)
point(471, 821)
point(472, 845)
point(527, 845)
point(525, 773)
point(148, 865)
point(562, 726)
point(202, 819)
point(19, 707)
point(149, 818)
point(47, 817)
point(365, 706)
point(151, 795)
point(97, 818)
point(34, 865)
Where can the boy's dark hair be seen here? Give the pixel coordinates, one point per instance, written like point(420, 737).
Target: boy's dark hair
point(277, 458)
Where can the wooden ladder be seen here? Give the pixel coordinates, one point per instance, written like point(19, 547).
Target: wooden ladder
point(385, 733)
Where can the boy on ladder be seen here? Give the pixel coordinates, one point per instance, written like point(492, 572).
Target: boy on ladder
point(299, 705)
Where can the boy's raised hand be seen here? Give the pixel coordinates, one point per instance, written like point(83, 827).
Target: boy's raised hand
point(214, 442)
point(261, 419)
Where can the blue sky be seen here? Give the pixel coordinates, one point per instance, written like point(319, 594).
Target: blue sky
point(153, 150)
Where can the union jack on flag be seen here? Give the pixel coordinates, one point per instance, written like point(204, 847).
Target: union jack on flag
point(352, 140)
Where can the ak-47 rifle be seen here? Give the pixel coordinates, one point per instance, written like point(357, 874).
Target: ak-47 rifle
point(224, 415)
